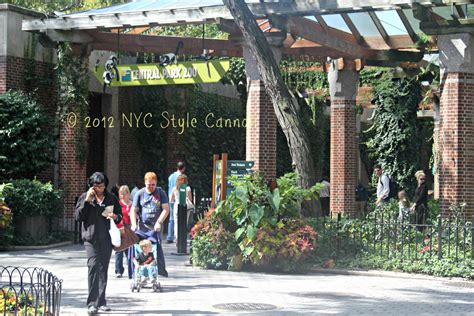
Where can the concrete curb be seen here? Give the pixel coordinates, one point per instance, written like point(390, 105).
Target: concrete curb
point(21, 248)
point(387, 274)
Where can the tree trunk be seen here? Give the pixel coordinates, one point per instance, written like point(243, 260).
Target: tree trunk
point(285, 108)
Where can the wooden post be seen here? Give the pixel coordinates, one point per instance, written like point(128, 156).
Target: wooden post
point(215, 157)
point(223, 177)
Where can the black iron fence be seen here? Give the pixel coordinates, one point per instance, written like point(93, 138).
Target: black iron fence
point(29, 291)
point(391, 237)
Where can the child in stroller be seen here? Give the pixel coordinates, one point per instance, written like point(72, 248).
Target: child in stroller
point(145, 266)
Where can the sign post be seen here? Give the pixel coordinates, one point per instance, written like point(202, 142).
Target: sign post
point(221, 187)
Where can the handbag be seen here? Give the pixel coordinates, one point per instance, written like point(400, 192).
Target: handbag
point(114, 234)
point(189, 204)
point(128, 237)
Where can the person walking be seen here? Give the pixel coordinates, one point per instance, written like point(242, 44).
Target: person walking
point(383, 185)
point(94, 209)
point(126, 205)
point(149, 211)
point(174, 198)
point(421, 200)
point(180, 169)
point(324, 196)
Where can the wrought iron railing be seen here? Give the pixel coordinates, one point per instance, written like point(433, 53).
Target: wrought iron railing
point(29, 291)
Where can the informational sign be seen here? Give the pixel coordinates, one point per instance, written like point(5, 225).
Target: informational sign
point(189, 72)
point(238, 168)
point(222, 169)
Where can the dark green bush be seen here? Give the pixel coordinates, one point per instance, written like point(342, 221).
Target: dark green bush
point(26, 136)
point(32, 198)
point(6, 222)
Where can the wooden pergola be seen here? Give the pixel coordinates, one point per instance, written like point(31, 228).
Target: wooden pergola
point(299, 24)
point(306, 29)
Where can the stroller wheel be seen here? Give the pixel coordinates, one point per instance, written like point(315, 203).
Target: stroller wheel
point(158, 287)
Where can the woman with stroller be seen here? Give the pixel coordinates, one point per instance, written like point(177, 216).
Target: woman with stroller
point(149, 211)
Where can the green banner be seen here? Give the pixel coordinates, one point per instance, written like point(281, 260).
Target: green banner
point(189, 72)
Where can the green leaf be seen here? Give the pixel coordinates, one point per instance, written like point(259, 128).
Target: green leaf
point(256, 213)
point(274, 199)
point(251, 232)
point(239, 232)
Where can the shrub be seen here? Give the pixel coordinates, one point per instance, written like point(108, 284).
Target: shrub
point(27, 142)
point(6, 222)
point(286, 247)
point(265, 225)
point(32, 198)
point(213, 246)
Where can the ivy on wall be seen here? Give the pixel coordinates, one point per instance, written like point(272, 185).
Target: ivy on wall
point(73, 90)
point(152, 140)
point(393, 139)
point(209, 138)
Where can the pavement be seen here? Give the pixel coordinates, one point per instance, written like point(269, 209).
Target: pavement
point(195, 291)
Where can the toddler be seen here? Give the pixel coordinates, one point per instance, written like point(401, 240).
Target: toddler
point(403, 205)
point(146, 262)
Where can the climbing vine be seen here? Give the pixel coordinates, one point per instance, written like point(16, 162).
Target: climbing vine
point(73, 90)
point(393, 139)
point(152, 140)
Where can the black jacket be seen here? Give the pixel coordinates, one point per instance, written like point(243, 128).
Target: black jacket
point(421, 195)
point(94, 225)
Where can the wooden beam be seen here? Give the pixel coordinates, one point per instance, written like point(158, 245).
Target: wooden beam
point(352, 28)
point(347, 45)
point(314, 32)
point(460, 12)
point(321, 21)
point(162, 44)
point(378, 25)
point(425, 14)
point(448, 27)
point(407, 26)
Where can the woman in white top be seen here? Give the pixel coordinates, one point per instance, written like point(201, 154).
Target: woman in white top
point(174, 198)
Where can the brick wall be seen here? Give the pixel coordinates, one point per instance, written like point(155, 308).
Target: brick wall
point(261, 130)
point(131, 166)
point(456, 146)
point(3, 74)
point(343, 161)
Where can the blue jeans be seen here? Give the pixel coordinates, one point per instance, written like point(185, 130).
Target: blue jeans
point(119, 262)
point(147, 271)
point(170, 235)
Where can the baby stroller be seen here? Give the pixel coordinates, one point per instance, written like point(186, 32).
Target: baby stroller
point(137, 283)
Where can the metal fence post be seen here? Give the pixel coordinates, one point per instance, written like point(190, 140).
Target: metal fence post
point(472, 237)
point(337, 234)
point(440, 236)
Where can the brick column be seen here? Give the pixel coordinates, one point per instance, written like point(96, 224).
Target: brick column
point(456, 126)
point(261, 132)
point(72, 174)
point(343, 86)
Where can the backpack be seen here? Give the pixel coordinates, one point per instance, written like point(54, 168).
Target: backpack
point(393, 187)
point(141, 195)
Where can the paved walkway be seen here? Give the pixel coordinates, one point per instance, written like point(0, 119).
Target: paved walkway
point(191, 290)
